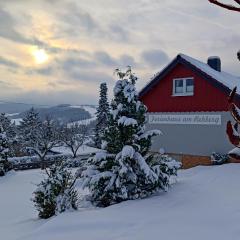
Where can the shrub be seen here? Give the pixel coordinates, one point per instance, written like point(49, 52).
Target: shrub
point(218, 158)
point(56, 193)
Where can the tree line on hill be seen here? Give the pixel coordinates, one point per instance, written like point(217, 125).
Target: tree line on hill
point(37, 137)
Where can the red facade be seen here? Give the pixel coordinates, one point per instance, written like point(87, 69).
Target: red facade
point(206, 96)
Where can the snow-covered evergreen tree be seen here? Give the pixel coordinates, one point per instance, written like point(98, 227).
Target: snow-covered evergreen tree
point(125, 170)
point(102, 115)
point(11, 132)
point(29, 128)
point(4, 152)
point(56, 193)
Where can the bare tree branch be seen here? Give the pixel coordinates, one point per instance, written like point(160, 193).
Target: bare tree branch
point(237, 1)
point(226, 6)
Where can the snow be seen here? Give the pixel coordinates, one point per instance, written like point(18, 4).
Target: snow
point(90, 109)
point(150, 133)
point(11, 114)
point(235, 151)
point(83, 150)
point(127, 121)
point(226, 79)
point(128, 151)
point(17, 121)
point(204, 204)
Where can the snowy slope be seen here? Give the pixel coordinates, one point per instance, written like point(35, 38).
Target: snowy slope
point(91, 109)
point(204, 204)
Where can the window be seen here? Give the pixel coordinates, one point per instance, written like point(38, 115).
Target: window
point(183, 87)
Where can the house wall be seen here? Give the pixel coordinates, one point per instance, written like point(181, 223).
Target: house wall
point(189, 139)
point(207, 97)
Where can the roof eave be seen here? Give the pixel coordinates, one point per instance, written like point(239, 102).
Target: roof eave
point(180, 59)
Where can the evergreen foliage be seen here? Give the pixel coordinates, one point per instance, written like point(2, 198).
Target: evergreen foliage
point(219, 159)
point(125, 170)
point(56, 193)
point(102, 115)
point(29, 128)
point(11, 133)
point(4, 152)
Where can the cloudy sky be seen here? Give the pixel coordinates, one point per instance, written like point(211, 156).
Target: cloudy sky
point(59, 51)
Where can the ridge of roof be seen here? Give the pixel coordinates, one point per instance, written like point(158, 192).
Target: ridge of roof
point(228, 80)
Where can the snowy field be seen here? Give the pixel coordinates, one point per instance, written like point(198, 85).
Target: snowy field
point(203, 205)
point(83, 150)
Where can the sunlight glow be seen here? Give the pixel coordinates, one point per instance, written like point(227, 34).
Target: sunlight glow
point(39, 55)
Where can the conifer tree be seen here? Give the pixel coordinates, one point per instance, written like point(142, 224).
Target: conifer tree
point(102, 115)
point(4, 152)
point(125, 170)
point(11, 132)
point(56, 193)
point(29, 128)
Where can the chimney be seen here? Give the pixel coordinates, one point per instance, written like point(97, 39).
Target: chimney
point(215, 63)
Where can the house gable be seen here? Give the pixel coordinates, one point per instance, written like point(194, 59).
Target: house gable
point(209, 94)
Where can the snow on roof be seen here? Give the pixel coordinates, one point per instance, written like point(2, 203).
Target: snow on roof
point(226, 79)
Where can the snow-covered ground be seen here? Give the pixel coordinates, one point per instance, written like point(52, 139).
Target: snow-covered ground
point(203, 205)
point(83, 150)
point(92, 111)
point(16, 121)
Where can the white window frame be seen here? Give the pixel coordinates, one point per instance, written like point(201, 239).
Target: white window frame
point(184, 93)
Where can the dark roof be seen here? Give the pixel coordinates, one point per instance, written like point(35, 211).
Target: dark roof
point(221, 80)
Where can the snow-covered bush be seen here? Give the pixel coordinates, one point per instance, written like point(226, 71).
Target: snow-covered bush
point(165, 166)
point(124, 169)
point(218, 158)
point(56, 193)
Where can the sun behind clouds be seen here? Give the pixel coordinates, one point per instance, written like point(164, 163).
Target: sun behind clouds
point(40, 55)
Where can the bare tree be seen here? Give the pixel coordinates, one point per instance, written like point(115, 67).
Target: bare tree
point(47, 137)
point(227, 5)
point(74, 136)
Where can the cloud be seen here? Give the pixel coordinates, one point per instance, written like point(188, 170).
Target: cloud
point(118, 33)
point(45, 71)
point(77, 22)
point(8, 63)
point(7, 28)
point(155, 57)
point(55, 97)
point(76, 62)
point(105, 58)
point(127, 60)
point(86, 43)
point(96, 77)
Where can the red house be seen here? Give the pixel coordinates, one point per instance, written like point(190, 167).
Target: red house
point(187, 100)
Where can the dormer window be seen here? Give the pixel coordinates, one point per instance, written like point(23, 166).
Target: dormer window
point(183, 87)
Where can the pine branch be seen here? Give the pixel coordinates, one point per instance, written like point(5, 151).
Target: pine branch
point(226, 6)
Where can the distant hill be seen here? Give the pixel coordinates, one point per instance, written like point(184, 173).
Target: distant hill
point(65, 113)
point(11, 107)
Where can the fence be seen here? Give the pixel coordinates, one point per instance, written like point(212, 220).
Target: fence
point(33, 162)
